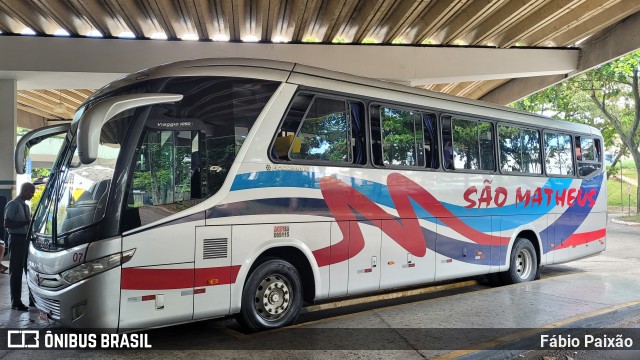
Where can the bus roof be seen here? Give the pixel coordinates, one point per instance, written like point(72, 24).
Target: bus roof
point(287, 71)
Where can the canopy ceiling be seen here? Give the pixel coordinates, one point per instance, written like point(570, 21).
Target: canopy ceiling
point(493, 24)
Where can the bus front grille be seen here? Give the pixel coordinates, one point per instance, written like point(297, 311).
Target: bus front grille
point(50, 306)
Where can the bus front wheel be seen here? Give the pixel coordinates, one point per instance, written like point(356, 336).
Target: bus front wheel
point(272, 296)
point(524, 263)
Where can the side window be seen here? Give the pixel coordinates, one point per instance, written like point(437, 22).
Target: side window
point(402, 137)
point(325, 132)
point(430, 123)
point(468, 144)
point(588, 155)
point(321, 129)
point(167, 177)
point(519, 150)
point(558, 155)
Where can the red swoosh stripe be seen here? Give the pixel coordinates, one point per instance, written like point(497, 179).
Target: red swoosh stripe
point(344, 202)
point(583, 238)
point(224, 275)
point(168, 279)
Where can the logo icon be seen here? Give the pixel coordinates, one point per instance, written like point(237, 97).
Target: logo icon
point(268, 167)
point(20, 339)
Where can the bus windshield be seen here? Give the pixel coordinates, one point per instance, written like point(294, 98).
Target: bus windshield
point(76, 195)
point(160, 158)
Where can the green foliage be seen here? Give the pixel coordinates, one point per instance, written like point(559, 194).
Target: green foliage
point(154, 173)
point(40, 173)
point(472, 144)
point(521, 149)
point(613, 194)
point(632, 218)
point(615, 170)
point(465, 143)
point(400, 136)
point(629, 172)
point(324, 138)
point(35, 200)
point(606, 97)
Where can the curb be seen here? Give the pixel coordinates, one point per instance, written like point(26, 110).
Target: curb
point(616, 221)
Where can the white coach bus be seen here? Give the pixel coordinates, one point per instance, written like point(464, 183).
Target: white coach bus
point(207, 188)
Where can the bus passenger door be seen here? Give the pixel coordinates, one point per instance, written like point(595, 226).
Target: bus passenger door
point(400, 267)
point(213, 272)
point(364, 261)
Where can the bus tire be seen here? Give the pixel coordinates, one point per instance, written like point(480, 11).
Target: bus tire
point(272, 296)
point(524, 263)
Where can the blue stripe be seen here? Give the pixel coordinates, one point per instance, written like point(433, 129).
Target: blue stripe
point(451, 248)
point(571, 219)
point(379, 194)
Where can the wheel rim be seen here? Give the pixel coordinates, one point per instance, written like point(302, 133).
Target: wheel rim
point(273, 297)
point(524, 264)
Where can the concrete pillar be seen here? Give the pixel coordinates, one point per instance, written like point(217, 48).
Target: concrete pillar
point(8, 115)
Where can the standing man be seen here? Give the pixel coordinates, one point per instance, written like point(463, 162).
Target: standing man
point(16, 219)
point(3, 204)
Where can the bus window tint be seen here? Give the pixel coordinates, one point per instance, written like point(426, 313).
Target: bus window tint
point(586, 145)
point(588, 155)
point(559, 158)
point(430, 140)
point(519, 150)
point(188, 147)
point(167, 174)
point(487, 155)
point(325, 133)
point(472, 143)
point(402, 137)
point(531, 151)
point(447, 148)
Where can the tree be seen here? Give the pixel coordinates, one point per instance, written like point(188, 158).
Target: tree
point(606, 97)
point(400, 137)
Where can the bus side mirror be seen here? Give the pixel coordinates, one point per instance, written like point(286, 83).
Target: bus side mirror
point(31, 138)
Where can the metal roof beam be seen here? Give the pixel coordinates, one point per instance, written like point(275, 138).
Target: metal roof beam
point(412, 65)
point(607, 45)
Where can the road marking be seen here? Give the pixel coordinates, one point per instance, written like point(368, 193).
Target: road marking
point(235, 334)
point(526, 333)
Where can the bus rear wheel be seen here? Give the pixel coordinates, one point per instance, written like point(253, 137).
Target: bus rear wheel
point(524, 263)
point(272, 296)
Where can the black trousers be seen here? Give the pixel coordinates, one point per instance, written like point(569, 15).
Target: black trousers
point(17, 265)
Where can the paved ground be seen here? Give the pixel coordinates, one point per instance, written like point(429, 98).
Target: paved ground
point(596, 293)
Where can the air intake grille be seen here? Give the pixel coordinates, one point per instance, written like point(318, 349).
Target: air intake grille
point(50, 306)
point(214, 249)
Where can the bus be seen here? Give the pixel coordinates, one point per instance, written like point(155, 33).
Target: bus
point(217, 187)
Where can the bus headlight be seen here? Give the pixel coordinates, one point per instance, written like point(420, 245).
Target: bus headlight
point(97, 266)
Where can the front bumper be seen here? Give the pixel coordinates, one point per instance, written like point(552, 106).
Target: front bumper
point(91, 303)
